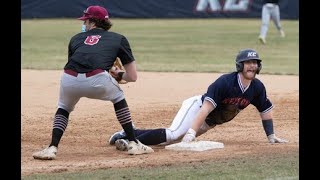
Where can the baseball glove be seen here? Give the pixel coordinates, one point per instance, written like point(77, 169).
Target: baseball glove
point(116, 69)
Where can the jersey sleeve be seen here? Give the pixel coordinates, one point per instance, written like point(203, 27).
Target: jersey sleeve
point(70, 52)
point(215, 92)
point(261, 101)
point(125, 53)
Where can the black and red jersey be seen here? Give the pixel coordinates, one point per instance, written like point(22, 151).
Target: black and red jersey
point(97, 49)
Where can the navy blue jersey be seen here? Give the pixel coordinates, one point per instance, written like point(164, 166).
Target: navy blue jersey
point(229, 97)
point(97, 49)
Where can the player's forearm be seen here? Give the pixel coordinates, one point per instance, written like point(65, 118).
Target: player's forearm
point(200, 118)
point(129, 77)
point(191, 133)
point(267, 122)
point(268, 126)
point(131, 72)
point(204, 111)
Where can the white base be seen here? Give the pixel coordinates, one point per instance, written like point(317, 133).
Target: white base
point(195, 146)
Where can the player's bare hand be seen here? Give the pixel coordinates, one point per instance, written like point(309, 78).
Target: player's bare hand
point(274, 139)
point(189, 136)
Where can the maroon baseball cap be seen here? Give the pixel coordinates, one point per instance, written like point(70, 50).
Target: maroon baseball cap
point(97, 12)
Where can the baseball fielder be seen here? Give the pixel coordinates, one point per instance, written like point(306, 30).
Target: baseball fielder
point(91, 55)
point(224, 99)
point(270, 10)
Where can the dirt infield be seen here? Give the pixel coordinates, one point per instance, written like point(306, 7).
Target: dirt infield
point(153, 100)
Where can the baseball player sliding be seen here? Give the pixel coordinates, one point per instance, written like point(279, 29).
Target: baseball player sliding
point(224, 99)
point(91, 54)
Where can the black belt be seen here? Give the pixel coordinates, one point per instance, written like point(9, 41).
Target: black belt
point(88, 74)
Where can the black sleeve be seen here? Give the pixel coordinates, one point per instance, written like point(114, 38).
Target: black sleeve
point(125, 53)
point(69, 50)
point(261, 100)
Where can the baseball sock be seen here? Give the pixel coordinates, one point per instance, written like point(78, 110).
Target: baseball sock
point(59, 126)
point(153, 136)
point(139, 132)
point(124, 117)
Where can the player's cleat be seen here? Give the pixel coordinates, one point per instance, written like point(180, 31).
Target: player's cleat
point(138, 148)
point(48, 153)
point(262, 40)
point(282, 34)
point(122, 144)
point(116, 136)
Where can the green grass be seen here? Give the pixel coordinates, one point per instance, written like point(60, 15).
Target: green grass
point(172, 45)
point(244, 168)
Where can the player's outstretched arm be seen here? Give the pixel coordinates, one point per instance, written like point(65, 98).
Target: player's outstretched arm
point(206, 108)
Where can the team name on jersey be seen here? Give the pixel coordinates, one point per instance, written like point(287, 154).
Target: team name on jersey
point(241, 102)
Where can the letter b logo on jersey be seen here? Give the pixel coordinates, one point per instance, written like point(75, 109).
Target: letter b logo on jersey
point(92, 40)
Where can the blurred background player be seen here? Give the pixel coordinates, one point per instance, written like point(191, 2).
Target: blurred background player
point(270, 10)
